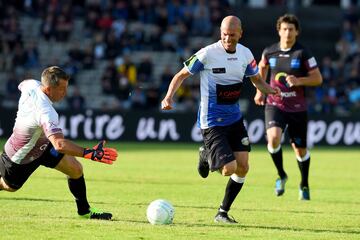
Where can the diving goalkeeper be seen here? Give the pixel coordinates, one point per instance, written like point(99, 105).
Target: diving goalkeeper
point(37, 139)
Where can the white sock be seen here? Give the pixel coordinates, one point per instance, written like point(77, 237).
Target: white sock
point(273, 150)
point(304, 158)
point(237, 179)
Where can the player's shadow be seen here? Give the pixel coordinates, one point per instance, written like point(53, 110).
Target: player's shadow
point(176, 206)
point(41, 200)
point(243, 226)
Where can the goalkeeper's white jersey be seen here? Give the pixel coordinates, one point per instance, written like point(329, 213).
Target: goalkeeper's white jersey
point(36, 120)
point(221, 78)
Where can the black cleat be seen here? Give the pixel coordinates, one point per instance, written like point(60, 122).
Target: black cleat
point(96, 214)
point(223, 217)
point(203, 166)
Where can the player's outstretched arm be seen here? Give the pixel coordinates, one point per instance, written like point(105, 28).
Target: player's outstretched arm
point(97, 153)
point(100, 154)
point(265, 88)
point(166, 103)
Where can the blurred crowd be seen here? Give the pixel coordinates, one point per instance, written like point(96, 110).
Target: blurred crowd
point(340, 91)
point(114, 29)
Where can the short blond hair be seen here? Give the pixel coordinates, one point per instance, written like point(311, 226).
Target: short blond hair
point(51, 76)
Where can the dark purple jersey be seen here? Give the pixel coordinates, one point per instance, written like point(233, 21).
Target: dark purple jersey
point(296, 61)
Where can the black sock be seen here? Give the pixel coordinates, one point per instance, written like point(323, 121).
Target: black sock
point(278, 161)
point(78, 189)
point(304, 170)
point(231, 191)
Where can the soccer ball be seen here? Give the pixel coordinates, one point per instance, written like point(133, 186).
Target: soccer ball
point(160, 212)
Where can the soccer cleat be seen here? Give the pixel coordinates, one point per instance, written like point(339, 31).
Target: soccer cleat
point(96, 214)
point(223, 217)
point(304, 193)
point(280, 186)
point(203, 165)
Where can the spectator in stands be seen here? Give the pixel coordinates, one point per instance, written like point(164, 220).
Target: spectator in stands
point(76, 101)
point(88, 60)
point(12, 92)
point(32, 54)
point(47, 27)
point(145, 70)
point(6, 56)
point(128, 69)
point(202, 24)
point(99, 47)
point(138, 98)
point(152, 97)
point(109, 79)
point(76, 53)
point(11, 29)
point(123, 92)
point(63, 28)
point(19, 59)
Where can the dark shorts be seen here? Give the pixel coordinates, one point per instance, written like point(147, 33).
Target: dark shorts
point(15, 175)
point(296, 123)
point(222, 141)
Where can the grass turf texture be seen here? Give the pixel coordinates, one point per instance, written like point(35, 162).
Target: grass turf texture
point(44, 207)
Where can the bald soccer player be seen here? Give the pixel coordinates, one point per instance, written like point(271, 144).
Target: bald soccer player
point(223, 67)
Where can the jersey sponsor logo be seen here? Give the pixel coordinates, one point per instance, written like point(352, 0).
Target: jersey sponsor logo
point(295, 63)
point(245, 141)
point(272, 62)
point(52, 124)
point(312, 62)
point(43, 147)
point(284, 55)
point(281, 78)
point(288, 94)
point(218, 70)
point(232, 59)
point(228, 94)
point(271, 123)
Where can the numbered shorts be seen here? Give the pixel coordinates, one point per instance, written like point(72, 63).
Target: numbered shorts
point(15, 175)
point(296, 123)
point(222, 141)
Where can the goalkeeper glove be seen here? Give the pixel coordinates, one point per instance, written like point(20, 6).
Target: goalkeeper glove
point(100, 154)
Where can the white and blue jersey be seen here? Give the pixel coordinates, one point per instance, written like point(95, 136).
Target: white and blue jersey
point(221, 78)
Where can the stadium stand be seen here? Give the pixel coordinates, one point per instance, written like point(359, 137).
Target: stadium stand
point(123, 52)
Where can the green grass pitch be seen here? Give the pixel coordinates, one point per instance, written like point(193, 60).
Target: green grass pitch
point(44, 207)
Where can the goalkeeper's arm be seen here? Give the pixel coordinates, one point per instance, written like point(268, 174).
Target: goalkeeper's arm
point(97, 153)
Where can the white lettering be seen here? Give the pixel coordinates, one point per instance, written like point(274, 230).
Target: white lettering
point(168, 126)
point(87, 126)
point(115, 128)
point(100, 122)
point(145, 129)
point(288, 94)
point(316, 131)
point(334, 132)
point(256, 130)
point(352, 133)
